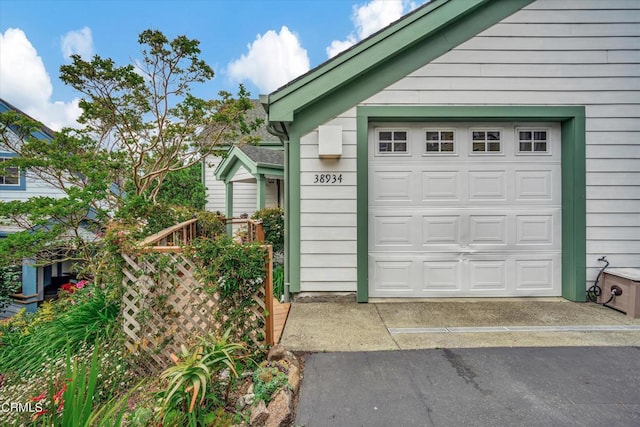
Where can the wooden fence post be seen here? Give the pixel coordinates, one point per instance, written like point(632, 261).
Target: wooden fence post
point(268, 296)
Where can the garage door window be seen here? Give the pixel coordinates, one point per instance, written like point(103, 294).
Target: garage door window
point(533, 141)
point(439, 142)
point(391, 141)
point(486, 141)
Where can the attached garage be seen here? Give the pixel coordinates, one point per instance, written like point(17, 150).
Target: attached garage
point(464, 209)
point(476, 148)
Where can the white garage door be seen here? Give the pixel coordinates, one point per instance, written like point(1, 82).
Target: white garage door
point(464, 210)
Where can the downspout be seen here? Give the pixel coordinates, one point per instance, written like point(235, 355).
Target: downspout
point(284, 138)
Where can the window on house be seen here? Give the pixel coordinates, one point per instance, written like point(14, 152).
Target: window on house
point(9, 175)
point(439, 141)
point(392, 141)
point(533, 141)
point(486, 141)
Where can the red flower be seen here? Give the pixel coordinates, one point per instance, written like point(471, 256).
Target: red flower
point(58, 396)
point(37, 414)
point(40, 397)
point(68, 287)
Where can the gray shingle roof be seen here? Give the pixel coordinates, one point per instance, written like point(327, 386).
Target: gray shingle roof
point(262, 155)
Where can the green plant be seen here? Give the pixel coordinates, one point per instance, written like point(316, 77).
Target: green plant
point(141, 417)
point(218, 418)
point(278, 281)
point(9, 284)
point(268, 379)
point(79, 393)
point(73, 399)
point(90, 316)
point(184, 188)
point(235, 273)
point(209, 224)
point(273, 225)
point(189, 377)
point(194, 376)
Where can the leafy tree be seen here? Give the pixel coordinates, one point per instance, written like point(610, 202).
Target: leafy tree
point(184, 188)
point(142, 128)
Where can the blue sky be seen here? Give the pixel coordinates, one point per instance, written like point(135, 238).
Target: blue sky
point(261, 43)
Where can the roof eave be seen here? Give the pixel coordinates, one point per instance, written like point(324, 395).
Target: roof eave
point(433, 23)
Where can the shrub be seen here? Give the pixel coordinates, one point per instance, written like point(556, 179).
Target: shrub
point(209, 224)
point(273, 224)
point(234, 272)
point(268, 379)
point(195, 374)
point(9, 284)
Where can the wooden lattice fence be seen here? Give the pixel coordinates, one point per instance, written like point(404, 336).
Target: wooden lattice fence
point(165, 306)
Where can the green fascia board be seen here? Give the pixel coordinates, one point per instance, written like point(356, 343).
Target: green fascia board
point(236, 158)
point(384, 58)
point(573, 165)
point(340, 64)
point(292, 212)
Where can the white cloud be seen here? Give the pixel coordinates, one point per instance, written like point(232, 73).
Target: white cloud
point(370, 17)
point(78, 42)
point(272, 60)
point(338, 46)
point(24, 82)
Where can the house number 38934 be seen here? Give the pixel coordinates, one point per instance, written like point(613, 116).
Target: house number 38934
point(327, 178)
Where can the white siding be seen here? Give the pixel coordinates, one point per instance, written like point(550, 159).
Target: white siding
point(553, 52)
point(244, 190)
point(244, 193)
point(215, 188)
point(328, 217)
point(271, 196)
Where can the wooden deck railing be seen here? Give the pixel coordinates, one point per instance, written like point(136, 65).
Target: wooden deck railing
point(171, 239)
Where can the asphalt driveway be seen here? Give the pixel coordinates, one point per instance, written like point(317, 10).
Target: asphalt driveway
point(553, 386)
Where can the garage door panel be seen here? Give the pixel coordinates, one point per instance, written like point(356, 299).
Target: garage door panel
point(487, 275)
point(393, 277)
point(392, 186)
point(534, 229)
point(536, 274)
point(487, 185)
point(393, 231)
point(441, 230)
point(440, 185)
point(441, 276)
point(468, 223)
point(533, 185)
point(488, 229)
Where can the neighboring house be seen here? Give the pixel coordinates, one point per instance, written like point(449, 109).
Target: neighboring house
point(262, 168)
point(473, 148)
point(20, 186)
point(245, 191)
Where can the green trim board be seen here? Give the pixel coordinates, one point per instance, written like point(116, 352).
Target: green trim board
point(271, 166)
point(292, 212)
point(237, 158)
point(572, 120)
point(384, 58)
point(228, 205)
